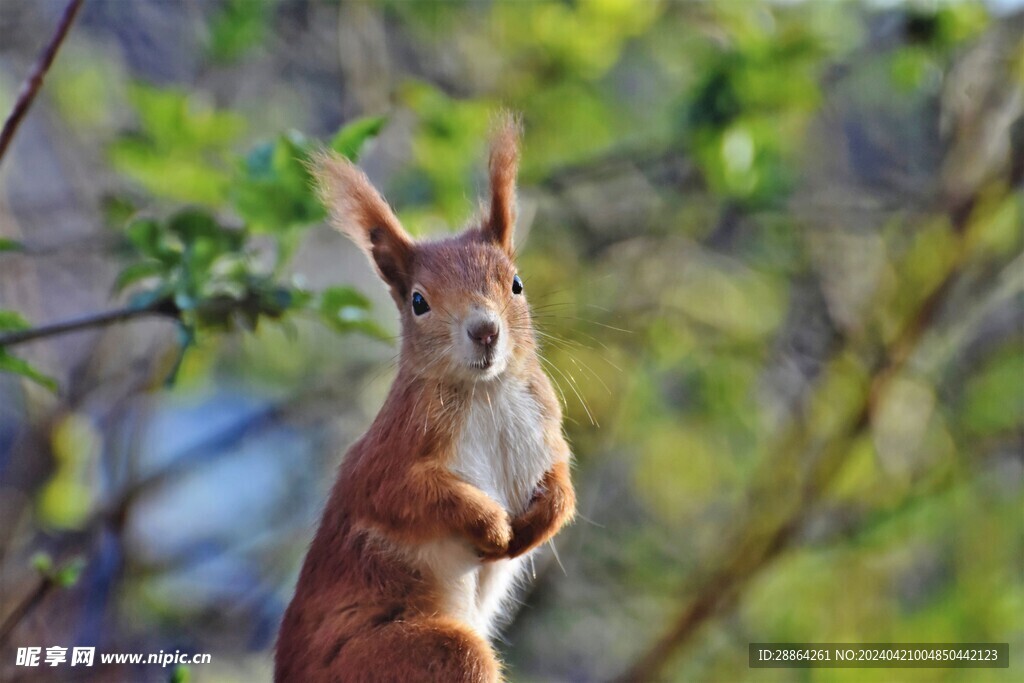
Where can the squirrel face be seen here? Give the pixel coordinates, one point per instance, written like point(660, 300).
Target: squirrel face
point(464, 312)
point(465, 316)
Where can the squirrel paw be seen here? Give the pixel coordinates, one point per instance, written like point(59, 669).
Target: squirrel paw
point(491, 534)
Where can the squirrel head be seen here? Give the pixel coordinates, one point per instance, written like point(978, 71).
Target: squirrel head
point(462, 303)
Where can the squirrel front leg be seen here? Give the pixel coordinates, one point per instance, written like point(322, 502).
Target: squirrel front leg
point(430, 501)
point(552, 506)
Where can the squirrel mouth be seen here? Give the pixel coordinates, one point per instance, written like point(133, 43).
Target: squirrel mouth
point(487, 359)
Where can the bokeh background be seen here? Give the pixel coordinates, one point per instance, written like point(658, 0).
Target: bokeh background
point(775, 254)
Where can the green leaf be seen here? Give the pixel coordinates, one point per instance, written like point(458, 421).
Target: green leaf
point(276, 300)
point(259, 163)
point(118, 210)
point(300, 297)
point(69, 573)
point(145, 235)
point(349, 141)
point(65, 576)
point(191, 246)
point(191, 224)
point(12, 320)
point(275, 191)
point(176, 119)
point(346, 310)
point(17, 366)
point(138, 271)
point(993, 398)
point(291, 150)
point(182, 149)
point(224, 288)
point(334, 300)
point(10, 245)
point(237, 27)
point(179, 175)
point(181, 674)
point(42, 563)
point(205, 240)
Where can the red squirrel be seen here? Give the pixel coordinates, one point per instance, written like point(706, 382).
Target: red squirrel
point(462, 474)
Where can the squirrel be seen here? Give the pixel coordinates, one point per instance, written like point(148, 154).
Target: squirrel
point(461, 475)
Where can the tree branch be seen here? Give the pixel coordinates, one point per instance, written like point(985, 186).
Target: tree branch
point(162, 307)
point(113, 514)
point(761, 542)
point(776, 511)
point(34, 82)
point(23, 608)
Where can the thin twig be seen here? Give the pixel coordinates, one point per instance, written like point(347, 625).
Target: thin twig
point(30, 88)
point(163, 307)
point(23, 608)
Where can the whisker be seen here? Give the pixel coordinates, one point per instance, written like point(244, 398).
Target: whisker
point(554, 551)
point(590, 521)
point(592, 322)
point(555, 381)
point(507, 302)
point(572, 386)
point(591, 337)
point(587, 368)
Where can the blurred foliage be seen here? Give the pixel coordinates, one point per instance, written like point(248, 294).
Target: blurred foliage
point(64, 576)
point(66, 500)
point(12, 321)
point(192, 265)
point(210, 270)
point(181, 148)
point(774, 251)
point(237, 27)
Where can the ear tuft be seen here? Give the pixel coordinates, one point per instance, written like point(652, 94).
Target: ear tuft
point(359, 211)
point(503, 166)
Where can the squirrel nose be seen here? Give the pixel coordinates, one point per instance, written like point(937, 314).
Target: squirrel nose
point(484, 333)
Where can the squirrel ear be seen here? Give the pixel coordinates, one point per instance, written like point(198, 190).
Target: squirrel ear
point(357, 210)
point(504, 163)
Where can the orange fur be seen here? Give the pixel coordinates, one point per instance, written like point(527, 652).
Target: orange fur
point(504, 163)
point(358, 210)
point(369, 604)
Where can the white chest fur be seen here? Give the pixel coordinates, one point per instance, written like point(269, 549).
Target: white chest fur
point(501, 451)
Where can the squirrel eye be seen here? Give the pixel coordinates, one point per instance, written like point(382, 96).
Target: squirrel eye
point(517, 285)
point(419, 304)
